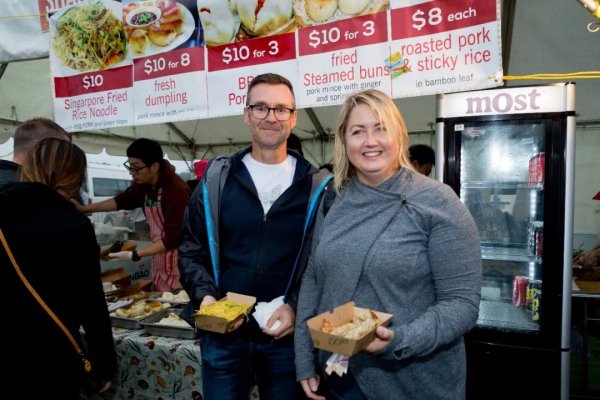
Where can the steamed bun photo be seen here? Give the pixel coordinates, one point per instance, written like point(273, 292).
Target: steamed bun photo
point(220, 21)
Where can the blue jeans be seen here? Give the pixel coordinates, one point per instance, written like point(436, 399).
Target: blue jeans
point(232, 365)
point(344, 388)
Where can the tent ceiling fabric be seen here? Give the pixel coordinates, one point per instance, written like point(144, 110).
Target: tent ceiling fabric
point(546, 36)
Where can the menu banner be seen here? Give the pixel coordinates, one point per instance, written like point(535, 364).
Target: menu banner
point(167, 86)
point(149, 61)
point(342, 57)
point(232, 67)
point(440, 46)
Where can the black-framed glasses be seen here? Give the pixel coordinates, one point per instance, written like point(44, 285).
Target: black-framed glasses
point(261, 111)
point(135, 170)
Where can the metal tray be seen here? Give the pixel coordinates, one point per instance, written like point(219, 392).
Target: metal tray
point(131, 323)
point(158, 297)
point(149, 325)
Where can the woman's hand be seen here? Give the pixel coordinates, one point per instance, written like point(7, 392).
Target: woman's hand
point(310, 387)
point(383, 337)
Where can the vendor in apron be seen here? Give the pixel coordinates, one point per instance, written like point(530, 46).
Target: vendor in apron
point(163, 195)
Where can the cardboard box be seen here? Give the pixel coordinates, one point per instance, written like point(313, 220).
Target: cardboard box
point(221, 325)
point(118, 276)
point(340, 316)
point(137, 286)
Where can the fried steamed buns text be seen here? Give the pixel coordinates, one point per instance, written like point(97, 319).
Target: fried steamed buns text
point(363, 322)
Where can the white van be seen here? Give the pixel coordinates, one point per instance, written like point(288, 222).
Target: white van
point(105, 181)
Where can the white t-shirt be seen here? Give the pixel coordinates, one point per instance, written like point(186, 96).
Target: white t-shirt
point(271, 180)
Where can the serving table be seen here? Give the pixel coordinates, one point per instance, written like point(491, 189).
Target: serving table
point(156, 367)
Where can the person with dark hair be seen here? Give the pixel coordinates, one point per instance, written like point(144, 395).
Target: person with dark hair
point(27, 135)
point(294, 143)
point(246, 230)
point(55, 249)
point(422, 158)
point(163, 195)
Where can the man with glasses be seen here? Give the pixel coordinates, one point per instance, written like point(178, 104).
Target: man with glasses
point(247, 230)
point(27, 135)
point(163, 195)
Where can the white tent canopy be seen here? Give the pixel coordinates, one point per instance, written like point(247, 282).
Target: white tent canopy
point(539, 36)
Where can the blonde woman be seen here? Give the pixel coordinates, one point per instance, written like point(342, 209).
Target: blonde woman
point(56, 250)
point(394, 241)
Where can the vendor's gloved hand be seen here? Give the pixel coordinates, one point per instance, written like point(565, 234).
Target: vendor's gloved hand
point(121, 256)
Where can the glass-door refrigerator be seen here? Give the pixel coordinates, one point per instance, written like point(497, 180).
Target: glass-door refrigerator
point(509, 154)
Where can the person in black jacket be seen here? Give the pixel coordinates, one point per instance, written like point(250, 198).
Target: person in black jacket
point(246, 230)
point(55, 248)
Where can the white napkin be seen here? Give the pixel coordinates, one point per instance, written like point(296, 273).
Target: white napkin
point(263, 311)
point(337, 363)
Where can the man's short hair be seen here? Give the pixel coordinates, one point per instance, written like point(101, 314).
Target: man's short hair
point(147, 150)
point(422, 154)
point(32, 131)
point(269, 79)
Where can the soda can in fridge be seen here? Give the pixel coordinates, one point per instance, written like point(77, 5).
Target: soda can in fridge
point(519, 295)
point(536, 305)
point(534, 286)
point(537, 164)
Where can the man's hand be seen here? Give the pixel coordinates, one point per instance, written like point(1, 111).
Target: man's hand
point(383, 337)
point(310, 387)
point(287, 317)
point(121, 256)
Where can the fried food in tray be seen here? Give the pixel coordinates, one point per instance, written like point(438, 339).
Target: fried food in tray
point(140, 309)
point(363, 322)
point(226, 309)
point(169, 323)
point(174, 297)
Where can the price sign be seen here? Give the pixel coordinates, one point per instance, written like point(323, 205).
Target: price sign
point(170, 63)
point(440, 16)
point(252, 52)
point(93, 82)
point(344, 34)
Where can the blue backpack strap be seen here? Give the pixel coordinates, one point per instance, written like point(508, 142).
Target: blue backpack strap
point(209, 230)
point(310, 216)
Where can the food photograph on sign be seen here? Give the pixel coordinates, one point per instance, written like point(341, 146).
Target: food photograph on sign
point(153, 27)
point(88, 37)
point(229, 21)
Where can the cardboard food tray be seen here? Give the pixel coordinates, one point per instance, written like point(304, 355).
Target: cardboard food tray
point(337, 344)
point(131, 323)
point(221, 325)
point(149, 325)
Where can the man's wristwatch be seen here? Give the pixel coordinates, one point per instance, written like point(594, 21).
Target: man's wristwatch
point(135, 256)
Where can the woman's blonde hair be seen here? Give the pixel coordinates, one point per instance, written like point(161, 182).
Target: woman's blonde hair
point(55, 163)
point(389, 116)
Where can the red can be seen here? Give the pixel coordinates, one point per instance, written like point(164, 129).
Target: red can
point(537, 164)
point(519, 296)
